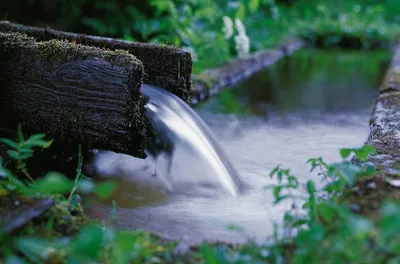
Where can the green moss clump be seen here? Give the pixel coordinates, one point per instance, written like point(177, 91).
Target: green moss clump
point(370, 193)
point(57, 51)
point(61, 219)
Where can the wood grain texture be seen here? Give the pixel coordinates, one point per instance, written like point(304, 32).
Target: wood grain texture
point(73, 93)
point(164, 66)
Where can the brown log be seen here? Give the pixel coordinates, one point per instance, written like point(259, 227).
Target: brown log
point(73, 93)
point(165, 66)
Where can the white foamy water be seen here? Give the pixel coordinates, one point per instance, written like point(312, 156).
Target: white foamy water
point(324, 110)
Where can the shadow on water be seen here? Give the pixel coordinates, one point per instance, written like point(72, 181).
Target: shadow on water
point(308, 105)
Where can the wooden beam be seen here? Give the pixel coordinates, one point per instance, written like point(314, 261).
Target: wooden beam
point(73, 93)
point(164, 66)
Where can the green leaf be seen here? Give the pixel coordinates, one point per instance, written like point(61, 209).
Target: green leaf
point(35, 249)
point(35, 143)
point(26, 150)
point(105, 189)
point(208, 254)
point(310, 238)
point(88, 243)
point(25, 156)
point(13, 154)
point(369, 169)
point(360, 226)
point(299, 223)
point(344, 153)
point(254, 5)
point(277, 191)
point(390, 220)
point(20, 135)
point(348, 172)
point(125, 242)
point(48, 144)
point(362, 153)
point(280, 198)
point(335, 186)
point(241, 12)
point(274, 171)
point(37, 136)
point(10, 143)
point(310, 187)
point(326, 211)
point(54, 182)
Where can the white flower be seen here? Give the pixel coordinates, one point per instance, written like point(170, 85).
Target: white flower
point(242, 45)
point(240, 27)
point(228, 27)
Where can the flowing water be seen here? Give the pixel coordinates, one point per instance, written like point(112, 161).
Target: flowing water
point(309, 105)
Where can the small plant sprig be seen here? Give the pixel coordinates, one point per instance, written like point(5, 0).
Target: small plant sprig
point(79, 177)
point(336, 177)
point(23, 149)
point(51, 182)
point(319, 227)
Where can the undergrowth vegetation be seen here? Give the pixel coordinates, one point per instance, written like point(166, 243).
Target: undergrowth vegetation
point(198, 25)
point(319, 227)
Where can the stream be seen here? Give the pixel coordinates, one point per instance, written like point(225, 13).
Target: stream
point(308, 105)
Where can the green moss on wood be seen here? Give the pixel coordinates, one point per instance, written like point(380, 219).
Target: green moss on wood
point(167, 67)
point(52, 64)
point(57, 51)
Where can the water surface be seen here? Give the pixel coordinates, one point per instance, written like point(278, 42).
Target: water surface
point(309, 105)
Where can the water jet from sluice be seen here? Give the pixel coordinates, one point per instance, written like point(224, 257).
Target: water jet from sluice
point(173, 123)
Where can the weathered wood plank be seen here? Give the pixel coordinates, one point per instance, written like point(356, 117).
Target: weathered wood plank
point(165, 66)
point(74, 93)
point(20, 211)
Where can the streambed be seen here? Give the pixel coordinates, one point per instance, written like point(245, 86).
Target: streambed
point(308, 105)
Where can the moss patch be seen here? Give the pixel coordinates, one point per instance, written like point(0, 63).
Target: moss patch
point(61, 219)
point(57, 51)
